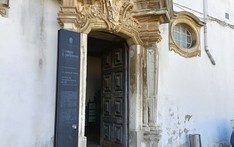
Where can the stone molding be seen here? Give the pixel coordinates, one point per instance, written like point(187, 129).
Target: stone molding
point(195, 24)
point(115, 16)
point(3, 10)
point(152, 136)
point(149, 32)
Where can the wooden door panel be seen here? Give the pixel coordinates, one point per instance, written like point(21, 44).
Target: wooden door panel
point(118, 57)
point(114, 99)
point(107, 78)
point(118, 105)
point(106, 108)
point(118, 129)
point(107, 62)
point(107, 131)
point(119, 81)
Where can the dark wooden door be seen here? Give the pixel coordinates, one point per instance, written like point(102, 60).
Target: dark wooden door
point(114, 122)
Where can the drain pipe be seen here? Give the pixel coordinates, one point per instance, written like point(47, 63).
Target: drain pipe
point(205, 6)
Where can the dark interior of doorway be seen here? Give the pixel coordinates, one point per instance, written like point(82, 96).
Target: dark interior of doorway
point(98, 42)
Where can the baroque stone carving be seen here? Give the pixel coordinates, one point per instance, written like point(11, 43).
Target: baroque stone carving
point(115, 16)
point(3, 10)
point(112, 15)
point(152, 137)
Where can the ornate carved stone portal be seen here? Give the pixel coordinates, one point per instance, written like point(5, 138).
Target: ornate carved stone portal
point(136, 21)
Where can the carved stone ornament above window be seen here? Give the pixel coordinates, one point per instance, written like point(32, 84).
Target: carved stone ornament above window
point(185, 34)
point(4, 6)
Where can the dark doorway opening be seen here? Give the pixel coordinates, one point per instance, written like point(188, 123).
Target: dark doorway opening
point(100, 43)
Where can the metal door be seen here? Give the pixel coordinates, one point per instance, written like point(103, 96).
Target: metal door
point(114, 122)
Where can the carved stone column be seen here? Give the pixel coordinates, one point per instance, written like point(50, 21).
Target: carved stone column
point(152, 75)
point(150, 36)
point(135, 95)
point(151, 132)
point(82, 141)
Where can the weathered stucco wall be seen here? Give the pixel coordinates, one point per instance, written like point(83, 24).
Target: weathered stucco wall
point(195, 96)
point(28, 44)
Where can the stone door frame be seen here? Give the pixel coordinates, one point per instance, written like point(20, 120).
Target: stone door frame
point(141, 32)
point(135, 92)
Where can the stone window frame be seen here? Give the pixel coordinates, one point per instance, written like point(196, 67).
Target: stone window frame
point(193, 24)
point(4, 10)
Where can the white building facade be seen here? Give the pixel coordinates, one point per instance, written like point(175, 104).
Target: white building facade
point(195, 96)
point(171, 90)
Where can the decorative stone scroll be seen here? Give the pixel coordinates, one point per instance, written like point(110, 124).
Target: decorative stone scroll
point(3, 10)
point(110, 15)
point(121, 17)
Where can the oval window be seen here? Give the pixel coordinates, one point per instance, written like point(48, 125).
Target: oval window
point(183, 36)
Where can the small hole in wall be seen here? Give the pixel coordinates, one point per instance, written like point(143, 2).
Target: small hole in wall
point(40, 63)
point(227, 15)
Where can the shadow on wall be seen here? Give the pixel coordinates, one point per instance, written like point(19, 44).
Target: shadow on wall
point(221, 132)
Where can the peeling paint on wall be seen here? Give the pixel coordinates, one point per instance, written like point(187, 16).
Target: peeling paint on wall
point(178, 127)
point(187, 118)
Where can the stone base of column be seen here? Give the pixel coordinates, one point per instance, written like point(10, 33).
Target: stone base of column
point(82, 141)
point(135, 138)
point(151, 138)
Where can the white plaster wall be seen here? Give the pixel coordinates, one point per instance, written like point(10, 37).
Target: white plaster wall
point(218, 9)
point(195, 96)
point(195, 6)
point(28, 44)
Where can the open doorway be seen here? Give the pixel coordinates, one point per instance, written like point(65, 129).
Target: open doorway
point(106, 121)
